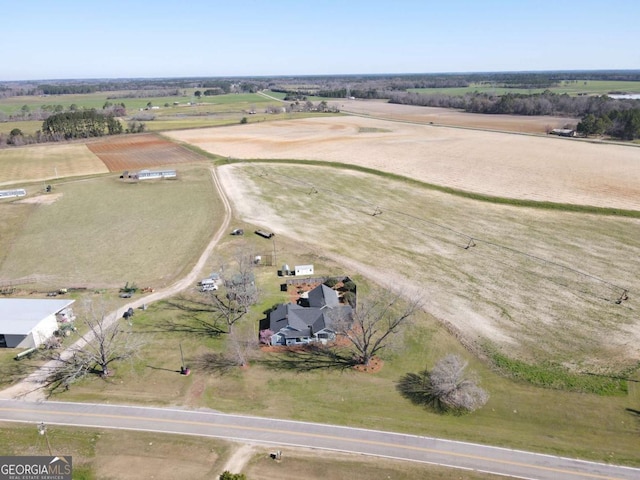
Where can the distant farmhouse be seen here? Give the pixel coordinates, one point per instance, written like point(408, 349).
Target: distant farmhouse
point(28, 323)
point(310, 320)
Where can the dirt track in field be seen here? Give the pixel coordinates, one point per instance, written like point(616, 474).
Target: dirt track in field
point(528, 167)
point(140, 151)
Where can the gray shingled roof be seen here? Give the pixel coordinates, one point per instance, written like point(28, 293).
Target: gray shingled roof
point(323, 296)
point(306, 321)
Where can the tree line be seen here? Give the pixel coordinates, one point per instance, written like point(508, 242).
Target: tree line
point(601, 115)
point(545, 103)
point(622, 124)
point(81, 124)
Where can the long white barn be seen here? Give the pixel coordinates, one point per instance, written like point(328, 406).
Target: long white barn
point(148, 174)
point(16, 192)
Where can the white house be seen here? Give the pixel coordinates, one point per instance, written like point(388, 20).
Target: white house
point(27, 323)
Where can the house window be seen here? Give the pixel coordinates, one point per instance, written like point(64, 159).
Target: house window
point(3, 342)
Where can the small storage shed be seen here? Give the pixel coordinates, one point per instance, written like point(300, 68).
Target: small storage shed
point(303, 270)
point(27, 323)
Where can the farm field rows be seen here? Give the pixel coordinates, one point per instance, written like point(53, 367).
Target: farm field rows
point(538, 285)
point(504, 165)
point(140, 151)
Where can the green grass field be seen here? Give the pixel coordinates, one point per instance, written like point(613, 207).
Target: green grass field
point(589, 87)
point(190, 112)
point(149, 233)
point(13, 105)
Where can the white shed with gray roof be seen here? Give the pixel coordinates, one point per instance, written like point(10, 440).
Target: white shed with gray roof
point(27, 323)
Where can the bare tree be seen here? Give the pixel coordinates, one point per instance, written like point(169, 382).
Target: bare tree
point(104, 343)
point(241, 292)
point(241, 347)
point(446, 387)
point(376, 321)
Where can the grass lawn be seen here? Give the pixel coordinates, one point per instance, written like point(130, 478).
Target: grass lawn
point(106, 232)
point(296, 464)
point(118, 454)
point(518, 415)
point(124, 455)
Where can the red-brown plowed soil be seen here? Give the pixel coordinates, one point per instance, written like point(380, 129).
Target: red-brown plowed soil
point(133, 152)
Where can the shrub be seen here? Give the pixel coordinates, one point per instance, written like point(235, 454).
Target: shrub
point(350, 286)
point(331, 282)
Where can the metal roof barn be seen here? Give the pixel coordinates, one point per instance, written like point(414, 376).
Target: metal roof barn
point(27, 323)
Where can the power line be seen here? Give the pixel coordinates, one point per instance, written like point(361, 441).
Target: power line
point(470, 240)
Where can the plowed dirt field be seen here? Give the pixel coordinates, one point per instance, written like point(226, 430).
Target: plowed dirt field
point(133, 152)
point(531, 167)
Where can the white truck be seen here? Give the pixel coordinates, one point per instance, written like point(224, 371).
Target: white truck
point(208, 285)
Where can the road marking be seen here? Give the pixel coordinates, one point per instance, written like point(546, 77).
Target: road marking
point(304, 434)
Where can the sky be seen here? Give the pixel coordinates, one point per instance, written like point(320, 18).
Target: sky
point(67, 39)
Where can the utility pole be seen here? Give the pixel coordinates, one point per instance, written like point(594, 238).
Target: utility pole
point(275, 256)
point(42, 430)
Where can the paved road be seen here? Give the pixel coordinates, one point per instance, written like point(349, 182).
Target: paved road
point(283, 434)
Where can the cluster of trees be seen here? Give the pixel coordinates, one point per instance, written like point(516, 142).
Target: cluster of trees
point(81, 124)
point(445, 388)
point(546, 103)
point(225, 86)
point(622, 124)
point(148, 93)
point(63, 124)
point(209, 92)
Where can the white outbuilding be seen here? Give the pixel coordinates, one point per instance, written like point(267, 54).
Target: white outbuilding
point(27, 323)
point(303, 270)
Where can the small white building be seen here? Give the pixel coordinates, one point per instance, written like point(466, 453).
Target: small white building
point(27, 323)
point(303, 270)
